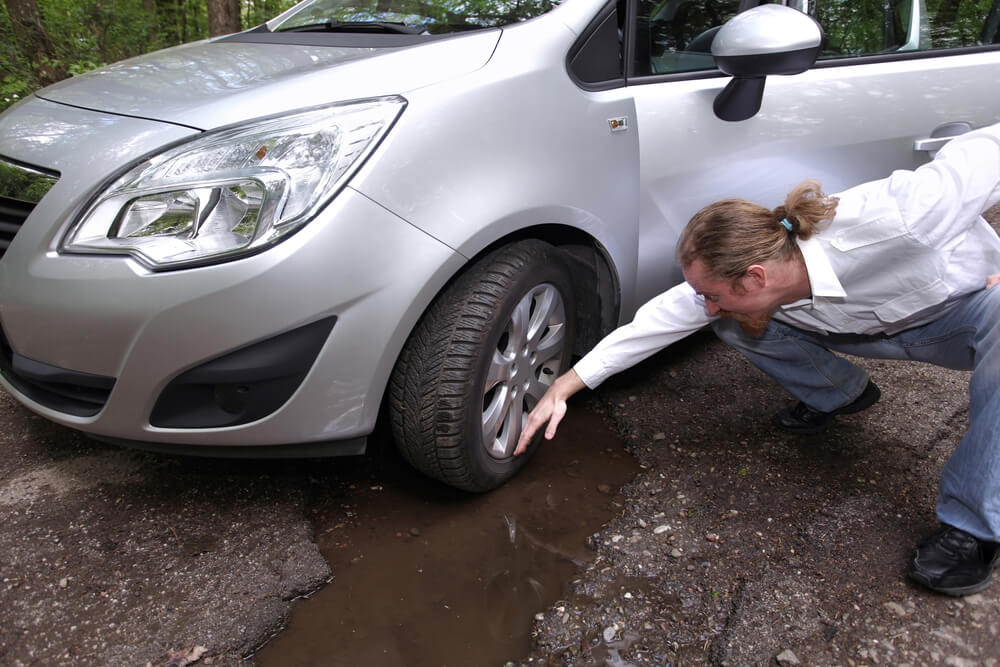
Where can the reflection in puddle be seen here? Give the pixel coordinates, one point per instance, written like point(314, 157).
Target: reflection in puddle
point(424, 575)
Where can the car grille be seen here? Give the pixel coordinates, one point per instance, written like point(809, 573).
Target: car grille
point(21, 188)
point(12, 215)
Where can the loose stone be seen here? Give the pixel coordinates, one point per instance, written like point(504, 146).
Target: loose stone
point(788, 657)
point(895, 608)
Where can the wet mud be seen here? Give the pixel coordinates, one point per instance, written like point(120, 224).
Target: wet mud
point(425, 575)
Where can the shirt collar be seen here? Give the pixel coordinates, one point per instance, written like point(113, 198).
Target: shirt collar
point(823, 280)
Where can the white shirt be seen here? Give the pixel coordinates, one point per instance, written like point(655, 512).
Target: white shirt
point(898, 254)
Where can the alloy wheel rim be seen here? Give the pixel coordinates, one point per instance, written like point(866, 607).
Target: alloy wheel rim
point(523, 365)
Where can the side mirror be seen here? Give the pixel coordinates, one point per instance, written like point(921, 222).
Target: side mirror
point(768, 39)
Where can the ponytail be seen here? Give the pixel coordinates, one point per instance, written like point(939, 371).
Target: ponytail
point(732, 235)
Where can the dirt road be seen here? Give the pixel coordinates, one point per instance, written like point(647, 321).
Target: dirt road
point(742, 545)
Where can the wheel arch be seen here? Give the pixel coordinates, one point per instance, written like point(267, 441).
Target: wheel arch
point(596, 282)
point(595, 278)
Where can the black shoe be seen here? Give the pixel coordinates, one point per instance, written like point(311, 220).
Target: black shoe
point(800, 418)
point(953, 562)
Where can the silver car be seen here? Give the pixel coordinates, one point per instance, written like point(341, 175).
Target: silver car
point(259, 244)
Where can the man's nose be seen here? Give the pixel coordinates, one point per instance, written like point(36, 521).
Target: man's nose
point(712, 308)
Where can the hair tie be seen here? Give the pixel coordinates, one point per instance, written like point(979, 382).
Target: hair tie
point(787, 225)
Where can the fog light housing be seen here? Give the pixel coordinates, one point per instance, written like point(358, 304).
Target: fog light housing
point(242, 386)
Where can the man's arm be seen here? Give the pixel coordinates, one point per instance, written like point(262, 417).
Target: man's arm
point(663, 320)
point(550, 410)
point(940, 199)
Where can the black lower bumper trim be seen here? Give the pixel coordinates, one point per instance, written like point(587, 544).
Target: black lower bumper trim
point(305, 450)
point(242, 386)
point(71, 392)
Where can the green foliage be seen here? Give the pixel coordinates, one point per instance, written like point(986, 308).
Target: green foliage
point(14, 87)
point(18, 78)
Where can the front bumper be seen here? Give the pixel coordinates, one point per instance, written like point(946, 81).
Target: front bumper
point(208, 358)
point(161, 340)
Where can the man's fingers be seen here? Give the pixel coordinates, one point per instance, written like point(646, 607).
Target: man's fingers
point(550, 410)
point(546, 412)
point(535, 421)
point(525, 439)
point(992, 280)
point(558, 412)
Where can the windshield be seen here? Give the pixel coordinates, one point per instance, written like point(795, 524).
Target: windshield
point(432, 17)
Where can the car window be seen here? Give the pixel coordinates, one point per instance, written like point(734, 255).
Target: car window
point(888, 26)
point(865, 28)
point(674, 36)
point(952, 24)
point(596, 61)
point(408, 16)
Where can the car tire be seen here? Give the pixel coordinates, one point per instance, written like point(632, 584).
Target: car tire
point(478, 361)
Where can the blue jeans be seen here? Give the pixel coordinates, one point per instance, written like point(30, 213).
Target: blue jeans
point(966, 337)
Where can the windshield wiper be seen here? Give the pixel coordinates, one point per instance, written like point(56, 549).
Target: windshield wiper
point(382, 27)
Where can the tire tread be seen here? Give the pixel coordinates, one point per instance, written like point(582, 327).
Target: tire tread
point(435, 373)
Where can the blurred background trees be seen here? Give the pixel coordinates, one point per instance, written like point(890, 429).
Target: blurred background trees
point(43, 41)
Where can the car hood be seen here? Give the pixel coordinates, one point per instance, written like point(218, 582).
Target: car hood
point(209, 84)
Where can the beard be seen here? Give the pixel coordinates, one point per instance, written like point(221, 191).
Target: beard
point(755, 324)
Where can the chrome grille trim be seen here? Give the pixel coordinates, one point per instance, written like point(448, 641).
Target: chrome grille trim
point(24, 183)
point(21, 187)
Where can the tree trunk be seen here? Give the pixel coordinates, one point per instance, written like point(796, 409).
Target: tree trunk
point(223, 17)
point(32, 40)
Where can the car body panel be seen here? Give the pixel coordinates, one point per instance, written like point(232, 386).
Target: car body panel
point(570, 167)
point(840, 124)
point(216, 83)
point(85, 147)
point(149, 327)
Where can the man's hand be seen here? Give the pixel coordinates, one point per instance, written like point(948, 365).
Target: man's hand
point(550, 409)
point(992, 280)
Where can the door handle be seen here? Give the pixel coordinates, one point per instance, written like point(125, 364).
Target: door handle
point(941, 135)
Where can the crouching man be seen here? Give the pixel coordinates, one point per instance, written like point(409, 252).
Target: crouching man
point(900, 268)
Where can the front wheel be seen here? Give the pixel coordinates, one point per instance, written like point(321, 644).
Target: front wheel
point(479, 361)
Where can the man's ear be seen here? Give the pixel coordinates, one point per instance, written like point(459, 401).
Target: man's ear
point(756, 275)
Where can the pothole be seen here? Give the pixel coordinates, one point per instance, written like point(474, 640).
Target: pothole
point(424, 575)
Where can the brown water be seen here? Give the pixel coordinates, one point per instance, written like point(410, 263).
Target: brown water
point(427, 576)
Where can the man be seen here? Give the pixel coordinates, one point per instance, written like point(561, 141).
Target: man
point(900, 268)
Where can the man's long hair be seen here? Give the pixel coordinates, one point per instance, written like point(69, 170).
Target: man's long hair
point(732, 235)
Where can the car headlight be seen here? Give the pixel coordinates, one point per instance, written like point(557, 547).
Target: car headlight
point(232, 191)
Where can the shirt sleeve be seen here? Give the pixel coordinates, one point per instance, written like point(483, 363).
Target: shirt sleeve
point(663, 320)
point(943, 198)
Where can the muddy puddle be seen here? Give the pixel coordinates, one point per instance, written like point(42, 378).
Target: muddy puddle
point(427, 576)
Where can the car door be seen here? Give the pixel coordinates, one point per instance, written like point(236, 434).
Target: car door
point(892, 73)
